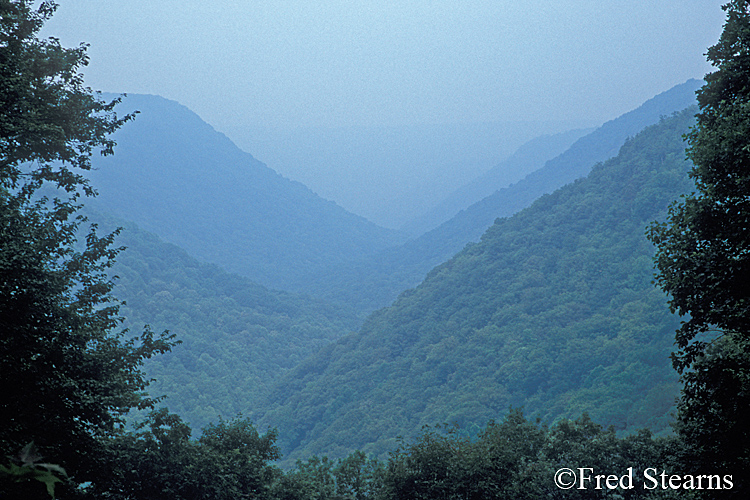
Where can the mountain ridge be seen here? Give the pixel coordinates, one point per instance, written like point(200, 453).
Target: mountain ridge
point(390, 173)
point(530, 156)
point(236, 336)
point(553, 310)
point(174, 175)
point(377, 280)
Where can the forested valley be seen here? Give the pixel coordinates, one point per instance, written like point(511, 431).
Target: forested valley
point(180, 321)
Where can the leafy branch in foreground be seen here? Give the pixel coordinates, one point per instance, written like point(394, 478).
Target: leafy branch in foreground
point(703, 249)
point(26, 470)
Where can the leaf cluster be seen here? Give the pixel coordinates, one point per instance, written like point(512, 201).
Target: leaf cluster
point(48, 114)
point(25, 471)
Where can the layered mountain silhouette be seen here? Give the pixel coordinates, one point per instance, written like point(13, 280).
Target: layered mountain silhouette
point(376, 280)
point(174, 175)
point(529, 157)
point(552, 310)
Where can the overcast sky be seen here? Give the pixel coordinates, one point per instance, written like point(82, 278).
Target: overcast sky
point(337, 63)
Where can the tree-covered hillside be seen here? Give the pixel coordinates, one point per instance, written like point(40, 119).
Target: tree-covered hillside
point(175, 176)
point(554, 310)
point(237, 336)
point(376, 280)
point(531, 156)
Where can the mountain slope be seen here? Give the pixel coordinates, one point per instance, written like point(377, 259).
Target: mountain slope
point(574, 163)
point(389, 173)
point(529, 157)
point(237, 336)
point(376, 280)
point(552, 310)
point(176, 176)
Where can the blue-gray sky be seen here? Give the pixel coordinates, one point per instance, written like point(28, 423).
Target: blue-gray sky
point(278, 63)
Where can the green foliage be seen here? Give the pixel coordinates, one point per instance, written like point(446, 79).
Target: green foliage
point(22, 475)
point(358, 477)
point(553, 311)
point(518, 459)
point(513, 458)
point(703, 256)
point(715, 408)
point(377, 280)
point(355, 477)
point(47, 113)
point(238, 337)
point(312, 479)
point(231, 460)
point(67, 379)
point(175, 176)
point(703, 262)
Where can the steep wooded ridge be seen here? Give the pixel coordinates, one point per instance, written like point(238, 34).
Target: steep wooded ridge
point(377, 279)
point(237, 336)
point(553, 310)
point(176, 176)
point(531, 156)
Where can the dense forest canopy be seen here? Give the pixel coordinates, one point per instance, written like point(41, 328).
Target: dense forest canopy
point(554, 310)
point(238, 337)
point(703, 260)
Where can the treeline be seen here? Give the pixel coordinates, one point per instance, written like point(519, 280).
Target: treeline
point(513, 458)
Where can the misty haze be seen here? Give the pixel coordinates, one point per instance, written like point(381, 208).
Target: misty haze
point(374, 251)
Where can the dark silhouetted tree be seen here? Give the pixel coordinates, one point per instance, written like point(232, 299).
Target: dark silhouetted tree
point(703, 256)
point(703, 263)
point(67, 376)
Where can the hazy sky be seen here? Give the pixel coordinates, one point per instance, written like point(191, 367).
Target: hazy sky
point(336, 63)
